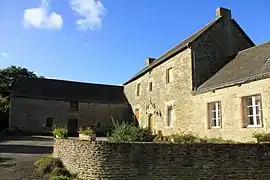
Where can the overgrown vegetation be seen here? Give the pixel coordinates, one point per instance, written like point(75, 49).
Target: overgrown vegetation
point(47, 165)
point(60, 132)
point(86, 131)
point(129, 132)
point(261, 137)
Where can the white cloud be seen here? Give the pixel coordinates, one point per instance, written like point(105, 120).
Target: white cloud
point(5, 55)
point(91, 13)
point(41, 18)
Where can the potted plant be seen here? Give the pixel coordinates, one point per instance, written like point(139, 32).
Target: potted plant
point(87, 134)
point(60, 133)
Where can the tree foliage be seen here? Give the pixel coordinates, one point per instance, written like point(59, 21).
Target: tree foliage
point(9, 75)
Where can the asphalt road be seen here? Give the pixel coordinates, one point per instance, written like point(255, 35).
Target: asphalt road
point(18, 153)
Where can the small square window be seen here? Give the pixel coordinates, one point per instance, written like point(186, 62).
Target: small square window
point(252, 111)
point(73, 105)
point(214, 114)
point(49, 122)
point(150, 86)
point(138, 89)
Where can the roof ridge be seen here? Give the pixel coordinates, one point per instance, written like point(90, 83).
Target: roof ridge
point(70, 81)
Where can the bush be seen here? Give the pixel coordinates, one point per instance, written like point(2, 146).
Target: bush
point(46, 164)
point(129, 132)
point(60, 178)
point(219, 141)
point(60, 133)
point(86, 131)
point(60, 171)
point(186, 138)
point(261, 137)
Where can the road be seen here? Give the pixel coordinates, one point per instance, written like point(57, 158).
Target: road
point(17, 154)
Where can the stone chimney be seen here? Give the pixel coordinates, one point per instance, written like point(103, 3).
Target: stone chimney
point(223, 12)
point(149, 60)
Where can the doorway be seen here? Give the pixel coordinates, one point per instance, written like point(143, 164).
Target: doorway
point(151, 123)
point(72, 126)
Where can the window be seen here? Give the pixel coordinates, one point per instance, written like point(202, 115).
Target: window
point(138, 89)
point(214, 114)
point(150, 86)
point(252, 111)
point(73, 105)
point(137, 114)
point(169, 115)
point(49, 122)
point(169, 75)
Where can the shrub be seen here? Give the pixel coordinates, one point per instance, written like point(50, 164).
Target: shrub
point(60, 171)
point(129, 132)
point(60, 178)
point(261, 137)
point(46, 164)
point(186, 138)
point(86, 131)
point(60, 133)
point(219, 141)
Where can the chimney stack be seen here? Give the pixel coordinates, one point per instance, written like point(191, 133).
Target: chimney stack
point(149, 60)
point(223, 12)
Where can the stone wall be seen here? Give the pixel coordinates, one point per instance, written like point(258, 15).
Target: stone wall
point(107, 160)
point(31, 114)
point(177, 93)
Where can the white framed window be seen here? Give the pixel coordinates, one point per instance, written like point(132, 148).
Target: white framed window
point(138, 89)
point(169, 75)
point(214, 114)
point(150, 86)
point(252, 111)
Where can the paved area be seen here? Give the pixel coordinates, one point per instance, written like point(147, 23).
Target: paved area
point(17, 155)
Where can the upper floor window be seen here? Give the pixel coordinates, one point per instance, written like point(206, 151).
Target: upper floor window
point(49, 122)
point(169, 75)
point(252, 111)
point(169, 115)
point(73, 105)
point(214, 114)
point(150, 86)
point(138, 89)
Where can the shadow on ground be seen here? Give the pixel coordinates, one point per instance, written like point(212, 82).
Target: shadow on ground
point(27, 138)
point(6, 162)
point(26, 149)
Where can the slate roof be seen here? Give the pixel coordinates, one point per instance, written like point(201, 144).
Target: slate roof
point(67, 90)
point(248, 65)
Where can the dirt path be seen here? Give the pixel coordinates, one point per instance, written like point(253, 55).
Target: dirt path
point(17, 155)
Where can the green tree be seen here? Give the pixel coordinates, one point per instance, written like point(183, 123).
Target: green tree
point(8, 77)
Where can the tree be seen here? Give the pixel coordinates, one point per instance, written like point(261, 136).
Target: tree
point(8, 77)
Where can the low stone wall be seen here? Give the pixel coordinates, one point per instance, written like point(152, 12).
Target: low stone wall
point(108, 160)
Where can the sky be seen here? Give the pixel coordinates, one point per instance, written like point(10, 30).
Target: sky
point(107, 41)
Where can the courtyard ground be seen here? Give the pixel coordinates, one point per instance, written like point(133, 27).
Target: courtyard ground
point(18, 153)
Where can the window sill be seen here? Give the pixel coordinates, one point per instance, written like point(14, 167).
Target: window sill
point(215, 127)
point(254, 126)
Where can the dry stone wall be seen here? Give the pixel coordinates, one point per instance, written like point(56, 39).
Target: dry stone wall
point(108, 160)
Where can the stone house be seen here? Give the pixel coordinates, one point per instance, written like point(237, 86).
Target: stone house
point(38, 103)
point(214, 83)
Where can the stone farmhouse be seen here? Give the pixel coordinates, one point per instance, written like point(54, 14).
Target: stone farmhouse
point(214, 83)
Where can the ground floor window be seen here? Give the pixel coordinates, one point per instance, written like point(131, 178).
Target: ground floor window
point(252, 111)
point(214, 114)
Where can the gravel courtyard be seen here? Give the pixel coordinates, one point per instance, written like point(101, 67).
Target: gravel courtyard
point(18, 153)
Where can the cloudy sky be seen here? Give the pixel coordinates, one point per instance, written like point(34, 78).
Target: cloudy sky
point(107, 41)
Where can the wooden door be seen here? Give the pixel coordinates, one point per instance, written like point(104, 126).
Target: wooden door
point(72, 126)
point(151, 124)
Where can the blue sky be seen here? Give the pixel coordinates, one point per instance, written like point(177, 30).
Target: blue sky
point(107, 41)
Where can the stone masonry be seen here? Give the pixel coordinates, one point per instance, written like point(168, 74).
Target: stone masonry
point(120, 161)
